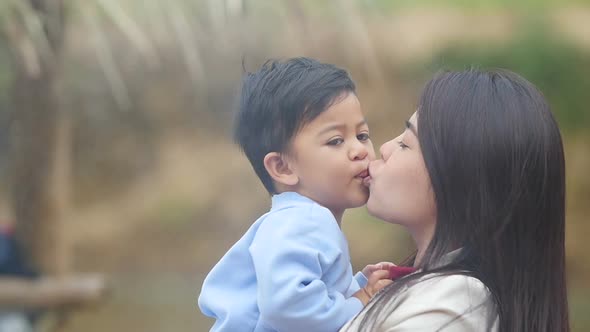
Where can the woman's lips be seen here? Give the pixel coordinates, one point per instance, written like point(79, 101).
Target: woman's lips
point(367, 181)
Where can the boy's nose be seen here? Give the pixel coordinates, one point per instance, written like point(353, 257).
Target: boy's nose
point(359, 152)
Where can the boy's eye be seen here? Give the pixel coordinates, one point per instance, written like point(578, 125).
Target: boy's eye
point(335, 141)
point(363, 137)
point(402, 145)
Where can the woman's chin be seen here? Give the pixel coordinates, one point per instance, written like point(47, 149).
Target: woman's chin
point(379, 211)
point(373, 209)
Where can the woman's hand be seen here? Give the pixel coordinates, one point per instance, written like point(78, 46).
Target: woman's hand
point(378, 279)
point(369, 269)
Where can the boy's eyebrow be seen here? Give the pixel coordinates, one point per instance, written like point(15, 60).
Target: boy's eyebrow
point(410, 126)
point(341, 126)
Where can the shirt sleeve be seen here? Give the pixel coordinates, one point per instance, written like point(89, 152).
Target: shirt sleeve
point(292, 252)
point(361, 279)
point(449, 303)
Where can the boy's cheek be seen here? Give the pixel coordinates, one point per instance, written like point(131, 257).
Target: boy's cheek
point(372, 153)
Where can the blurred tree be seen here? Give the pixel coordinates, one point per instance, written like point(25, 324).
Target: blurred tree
point(41, 144)
point(40, 151)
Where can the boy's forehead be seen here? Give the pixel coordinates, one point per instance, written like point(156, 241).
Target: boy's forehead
point(327, 124)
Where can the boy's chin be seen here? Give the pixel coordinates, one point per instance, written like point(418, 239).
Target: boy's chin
point(359, 201)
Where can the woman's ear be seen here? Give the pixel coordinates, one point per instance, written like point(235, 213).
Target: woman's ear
point(279, 169)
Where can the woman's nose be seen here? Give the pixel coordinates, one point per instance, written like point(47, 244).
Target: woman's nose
point(386, 149)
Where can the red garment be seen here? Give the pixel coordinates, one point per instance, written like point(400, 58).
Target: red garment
point(396, 272)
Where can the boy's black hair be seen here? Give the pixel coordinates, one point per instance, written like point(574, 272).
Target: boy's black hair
point(278, 100)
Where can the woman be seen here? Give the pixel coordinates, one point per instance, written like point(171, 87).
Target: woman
point(478, 179)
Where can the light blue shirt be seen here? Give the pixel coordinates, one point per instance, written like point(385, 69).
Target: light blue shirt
point(291, 271)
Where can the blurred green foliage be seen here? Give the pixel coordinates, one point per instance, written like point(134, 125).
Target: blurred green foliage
point(471, 4)
point(579, 302)
point(5, 75)
point(560, 70)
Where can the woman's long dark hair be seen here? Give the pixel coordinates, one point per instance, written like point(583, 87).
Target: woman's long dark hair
point(495, 158)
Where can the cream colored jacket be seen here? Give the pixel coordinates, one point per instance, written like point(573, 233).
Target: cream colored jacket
point(440, 303)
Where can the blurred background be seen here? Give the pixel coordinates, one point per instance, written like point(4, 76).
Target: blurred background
point(115, 119)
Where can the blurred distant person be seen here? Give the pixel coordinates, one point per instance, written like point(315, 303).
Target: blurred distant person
point(12, 264)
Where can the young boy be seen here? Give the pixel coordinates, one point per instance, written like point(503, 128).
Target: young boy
point(301, 126)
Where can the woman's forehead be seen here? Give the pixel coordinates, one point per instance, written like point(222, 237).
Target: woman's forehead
point(414, 120)
point(412, 124)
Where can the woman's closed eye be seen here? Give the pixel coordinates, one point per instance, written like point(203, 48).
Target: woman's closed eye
point(402, 145)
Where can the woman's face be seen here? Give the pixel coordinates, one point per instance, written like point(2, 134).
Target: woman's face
point(400, 188)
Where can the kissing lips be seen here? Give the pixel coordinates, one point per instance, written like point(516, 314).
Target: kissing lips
point(365, 177)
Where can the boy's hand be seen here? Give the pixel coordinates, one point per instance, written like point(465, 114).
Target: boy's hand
point(376, 281)
point(369, 269)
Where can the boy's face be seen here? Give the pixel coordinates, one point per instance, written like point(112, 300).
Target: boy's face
point(331, 154)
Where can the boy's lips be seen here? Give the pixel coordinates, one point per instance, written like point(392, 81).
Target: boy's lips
point(363, 174)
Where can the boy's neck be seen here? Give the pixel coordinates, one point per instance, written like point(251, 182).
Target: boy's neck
point(338, 216)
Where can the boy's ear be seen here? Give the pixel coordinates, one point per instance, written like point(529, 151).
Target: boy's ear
point(279, 169)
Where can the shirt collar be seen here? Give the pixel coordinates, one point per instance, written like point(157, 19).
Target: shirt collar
point(448, 258)
point(288, 199)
